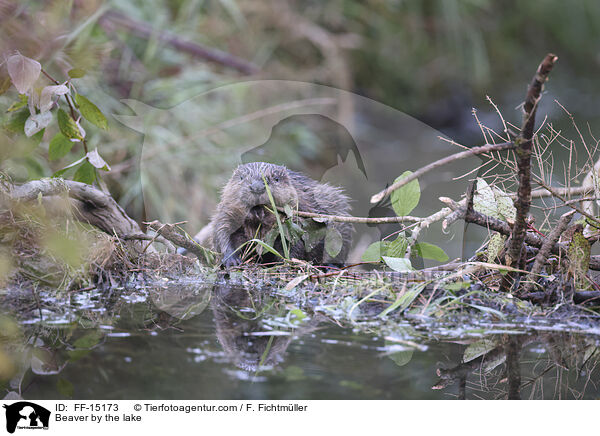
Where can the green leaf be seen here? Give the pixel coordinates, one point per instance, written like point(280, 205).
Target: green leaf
point(333, 241)
point(479, 348)
point(67, 125)
point(506, 206)
point(18, 104)
point(493, 201)
point(396, 248)
point(37, 122)
point(75, 355)
point(88, 340)
point(37, 138)
point(266, 247)
point(65, 388)
point(430, 251)
point(270, 237)
point(293, 232)
point(404, 300)
point(484, 200)
point(5, 85)
point(495, 246)
point(400, 358)
point(578, 253)
point(63, 170)
point(296, 315)
point(95, 159)
point(16, 121)
point(400, 264)
point(373, 252)
point(405, 199)
point(60, 145)
point(288, 211)
point(314, 233)
point(91, 112)
point(457, 286)
point(76, 73)
point(86, 173)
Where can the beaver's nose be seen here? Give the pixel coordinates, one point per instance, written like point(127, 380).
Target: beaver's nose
point(257, 187)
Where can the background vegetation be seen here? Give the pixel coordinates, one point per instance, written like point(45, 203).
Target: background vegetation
point(435, 60)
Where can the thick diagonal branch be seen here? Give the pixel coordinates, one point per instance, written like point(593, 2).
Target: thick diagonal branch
point(524, 145)
point(546, 249)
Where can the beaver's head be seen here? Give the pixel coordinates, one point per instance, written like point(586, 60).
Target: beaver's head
point(248, 180)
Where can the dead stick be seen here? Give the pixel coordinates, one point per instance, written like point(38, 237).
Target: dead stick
point(524, 145)
point(438, 163)
point(546, 249)
point(168, 232)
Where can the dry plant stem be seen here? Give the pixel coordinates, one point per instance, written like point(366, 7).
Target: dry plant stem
point(444, 161)
point(145, 237)
point(524, 145)
point(568, 203)
point(143, 30)
point(546, 249)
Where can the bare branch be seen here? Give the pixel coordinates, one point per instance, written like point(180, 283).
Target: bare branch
point(524, 145)
point(438, 163)
point(357, 219)
point(546, 249)
point(169, 232)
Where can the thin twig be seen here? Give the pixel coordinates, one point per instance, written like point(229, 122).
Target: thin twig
point(357, 219)
point(168, 232)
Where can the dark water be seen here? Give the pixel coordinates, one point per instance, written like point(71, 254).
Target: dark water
point(222, 343)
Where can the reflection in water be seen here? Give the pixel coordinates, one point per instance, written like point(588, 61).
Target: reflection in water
point(533, 366)
point(164, 343)
point(248, 342)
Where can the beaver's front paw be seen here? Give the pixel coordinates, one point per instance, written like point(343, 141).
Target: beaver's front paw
point(231, 259)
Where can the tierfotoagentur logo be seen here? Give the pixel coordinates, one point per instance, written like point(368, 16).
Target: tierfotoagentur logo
point(26, 415)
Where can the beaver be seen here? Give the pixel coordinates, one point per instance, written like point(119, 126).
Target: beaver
point(242, 215)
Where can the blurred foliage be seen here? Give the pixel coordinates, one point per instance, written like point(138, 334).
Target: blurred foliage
point(434, 59)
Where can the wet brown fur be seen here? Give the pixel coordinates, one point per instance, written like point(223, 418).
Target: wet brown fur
point(241, 215)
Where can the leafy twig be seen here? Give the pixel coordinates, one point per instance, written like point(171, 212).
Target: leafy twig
point(71, 107)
